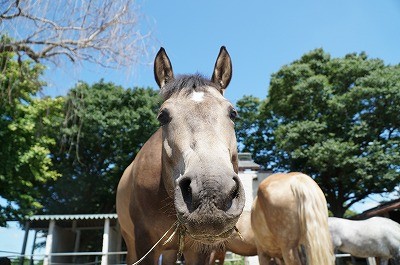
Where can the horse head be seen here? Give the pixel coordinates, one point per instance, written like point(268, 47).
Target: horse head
point(199, 154)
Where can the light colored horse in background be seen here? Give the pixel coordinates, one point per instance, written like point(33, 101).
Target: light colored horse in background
point(374, 237)
point(290, 213)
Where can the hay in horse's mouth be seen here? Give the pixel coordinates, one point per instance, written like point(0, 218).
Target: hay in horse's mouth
point(209, 239)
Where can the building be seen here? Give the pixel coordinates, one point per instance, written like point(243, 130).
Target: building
point(389, 210)
point(64, 234)
point(251, 176)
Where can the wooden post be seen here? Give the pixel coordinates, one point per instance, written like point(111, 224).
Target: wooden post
point(106, 237)
point(22, 258)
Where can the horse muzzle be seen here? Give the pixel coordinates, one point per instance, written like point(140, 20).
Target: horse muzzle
point(209, 207)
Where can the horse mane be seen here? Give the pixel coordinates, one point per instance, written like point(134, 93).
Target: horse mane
point(187, 84)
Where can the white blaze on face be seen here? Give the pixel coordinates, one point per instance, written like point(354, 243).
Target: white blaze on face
point(197, 96)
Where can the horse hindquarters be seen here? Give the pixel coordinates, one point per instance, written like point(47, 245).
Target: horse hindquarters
point(313, 215)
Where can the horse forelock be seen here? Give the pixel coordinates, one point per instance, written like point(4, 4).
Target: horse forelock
point(187, 84)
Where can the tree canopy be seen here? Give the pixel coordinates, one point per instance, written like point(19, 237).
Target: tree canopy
point(104, 127)
point(66, 154)
point(25, 164)
point(336, 119)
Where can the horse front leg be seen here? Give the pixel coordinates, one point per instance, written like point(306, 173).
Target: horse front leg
point(143, 246)
point(130, 245)
point(169, 257)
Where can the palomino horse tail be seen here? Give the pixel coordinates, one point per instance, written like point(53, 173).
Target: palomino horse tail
point(313, 219)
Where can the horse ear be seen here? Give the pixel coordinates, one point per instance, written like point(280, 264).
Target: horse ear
point(223, 69)
point(162, 68)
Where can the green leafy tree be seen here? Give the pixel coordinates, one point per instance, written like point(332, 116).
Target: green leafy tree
point(104, 127)
point(336, 119)
point(248, 110)
point(25, 162)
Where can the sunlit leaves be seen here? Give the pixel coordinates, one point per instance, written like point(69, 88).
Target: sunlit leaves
point(25, 159)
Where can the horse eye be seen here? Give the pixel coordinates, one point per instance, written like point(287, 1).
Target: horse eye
point(164, 117)
point(233, 114)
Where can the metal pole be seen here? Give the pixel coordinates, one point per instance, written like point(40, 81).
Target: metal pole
point(33, 247)
point(22, 258)
point(77, 243)
point(119, 243)
point(106, 236)
point(49, 243)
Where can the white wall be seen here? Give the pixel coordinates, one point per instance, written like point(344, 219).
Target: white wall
point(246, 178)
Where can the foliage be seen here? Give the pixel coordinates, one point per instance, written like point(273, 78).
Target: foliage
point(336, 119)
point(104, 127)
point(25, 164)
point(248, 110)
point(66, 155)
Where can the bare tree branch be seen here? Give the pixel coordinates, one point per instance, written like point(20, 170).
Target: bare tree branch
point(103, 32)
point(9, 13)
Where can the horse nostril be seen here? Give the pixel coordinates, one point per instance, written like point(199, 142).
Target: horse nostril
point(184, 185)
point(233, 194)
point(235, 190)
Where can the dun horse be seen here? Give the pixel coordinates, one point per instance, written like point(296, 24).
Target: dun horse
point(186, 173)
point(290, 214)
point(375, 237)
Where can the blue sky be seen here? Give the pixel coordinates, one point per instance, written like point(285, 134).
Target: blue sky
point(261, 36)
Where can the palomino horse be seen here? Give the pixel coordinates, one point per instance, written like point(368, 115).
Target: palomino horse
point(185, 175)
point(375, 237)
point(289, 214)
